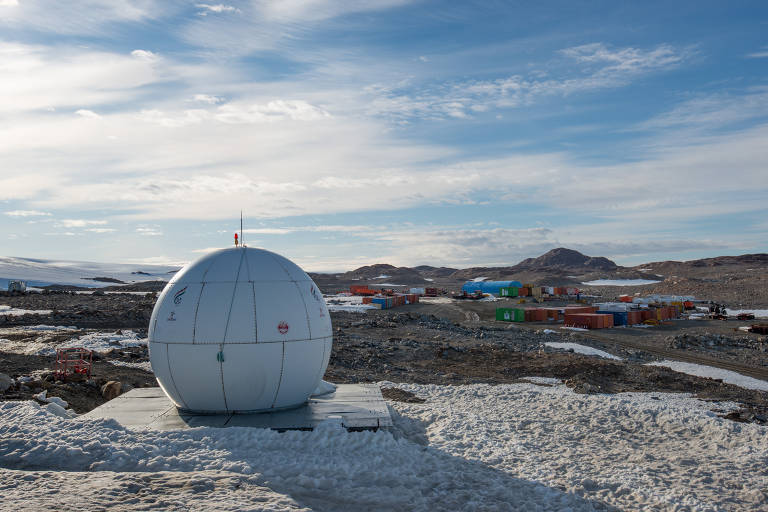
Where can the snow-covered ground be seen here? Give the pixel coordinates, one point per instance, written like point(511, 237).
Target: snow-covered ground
point(711, 372)
point(520, 447)
point(142, 365)
point(581, 349)
point(97, 341)
point(759, 313)
point(11, 311)
point(350, 303)
point(44, 272)
point(620, 282)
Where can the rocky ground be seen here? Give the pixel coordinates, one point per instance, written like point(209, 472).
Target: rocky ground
point(441, 343)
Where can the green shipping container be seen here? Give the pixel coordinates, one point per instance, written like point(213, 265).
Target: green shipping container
point(519, 315)
point(508, 292)
point(505, 315)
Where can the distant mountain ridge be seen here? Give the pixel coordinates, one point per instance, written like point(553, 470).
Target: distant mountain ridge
point(557, 266)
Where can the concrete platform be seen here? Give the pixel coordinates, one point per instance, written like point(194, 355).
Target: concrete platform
point(355, 406)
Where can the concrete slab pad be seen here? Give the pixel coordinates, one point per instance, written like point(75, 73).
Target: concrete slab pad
point(355, 406)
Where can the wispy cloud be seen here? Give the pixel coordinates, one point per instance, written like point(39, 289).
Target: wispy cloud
point(26, 213)
point(598, 66)
point(92, 16)
point(760, 54)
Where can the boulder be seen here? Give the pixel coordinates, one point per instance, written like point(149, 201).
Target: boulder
point(5, 382)
point(111, 389)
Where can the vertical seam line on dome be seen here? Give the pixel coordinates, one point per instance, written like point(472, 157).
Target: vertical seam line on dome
point(170, 372)
point(197, 308)
point(253, 296)
point(306, 309)
point(232, 299)
point(226, 331)
point(280, 380)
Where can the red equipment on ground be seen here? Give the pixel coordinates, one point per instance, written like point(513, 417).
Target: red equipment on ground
point(72, 361)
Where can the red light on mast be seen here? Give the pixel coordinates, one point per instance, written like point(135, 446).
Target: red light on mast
point(235, 239)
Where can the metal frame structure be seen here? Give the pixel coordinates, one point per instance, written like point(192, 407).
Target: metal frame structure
point(72, 361)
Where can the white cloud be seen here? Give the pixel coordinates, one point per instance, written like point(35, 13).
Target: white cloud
point(207, 98)
point(101, 230)
point(90, 114)
point(26, 213)
point(145, 55)
point(9, 3)
point(39, 78)
point(206, 250)
point(217, 8)
point(148, 231)
point(79, 223)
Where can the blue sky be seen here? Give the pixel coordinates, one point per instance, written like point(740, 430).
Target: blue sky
point(408, 132)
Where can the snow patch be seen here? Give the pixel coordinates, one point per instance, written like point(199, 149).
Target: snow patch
point(504, 447)
point(620, 282)
point(711, 372)
point(350, 303)
point(581, 349)
point(141, 365)
point(8, 310)
point(543, 380)
point(100, 342)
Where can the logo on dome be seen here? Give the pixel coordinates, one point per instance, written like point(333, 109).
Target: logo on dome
point(283, 327)
point(172, 316)
point(178, 295)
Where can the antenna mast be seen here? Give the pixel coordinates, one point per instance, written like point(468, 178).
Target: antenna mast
point(242, 242)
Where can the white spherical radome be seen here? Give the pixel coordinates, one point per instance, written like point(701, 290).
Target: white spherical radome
point(240, 330)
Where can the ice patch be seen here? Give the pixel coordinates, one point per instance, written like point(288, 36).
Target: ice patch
point(711, 372)
point(478, 279)
point(569, 328)
point(581, 349)
point(620, 282)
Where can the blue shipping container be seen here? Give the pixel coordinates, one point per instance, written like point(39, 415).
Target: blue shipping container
point(619, 317)
point(493, 287)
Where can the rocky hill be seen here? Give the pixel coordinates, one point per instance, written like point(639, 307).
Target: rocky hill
point(566, 259)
